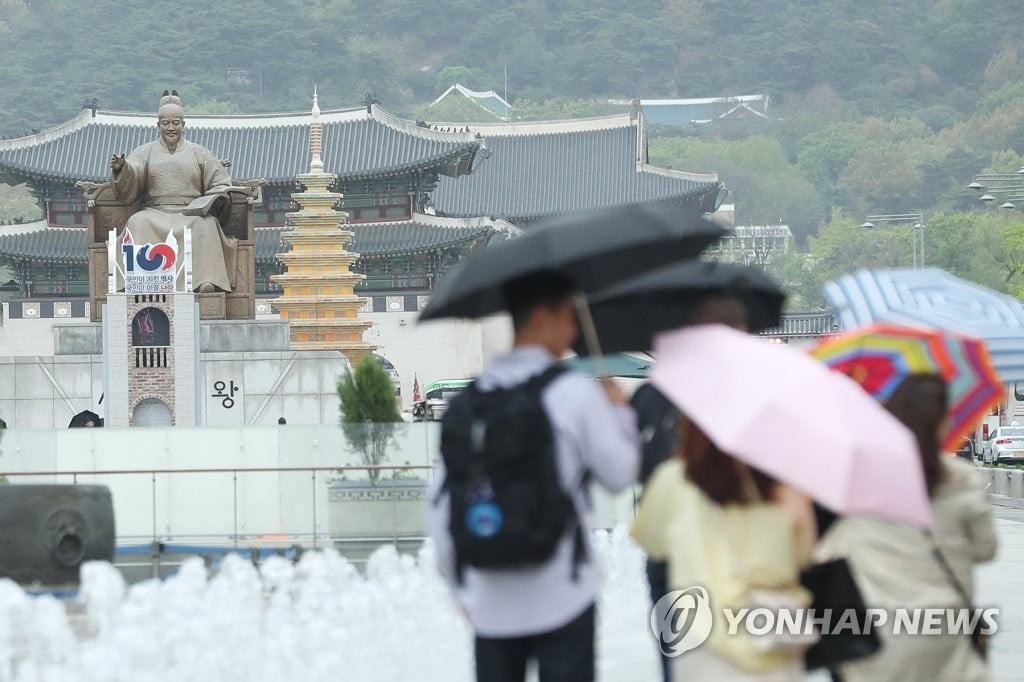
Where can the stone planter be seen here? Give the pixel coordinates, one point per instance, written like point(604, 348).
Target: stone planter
point(389, 508)
point(1008, 482)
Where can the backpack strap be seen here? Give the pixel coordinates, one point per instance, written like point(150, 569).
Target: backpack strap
point(579, 546)
point(579, 551)
point(538, 382)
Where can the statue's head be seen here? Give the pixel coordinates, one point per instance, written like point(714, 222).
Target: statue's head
point(171, 118)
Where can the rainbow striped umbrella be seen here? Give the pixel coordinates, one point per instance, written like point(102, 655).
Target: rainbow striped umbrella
point(879, 357)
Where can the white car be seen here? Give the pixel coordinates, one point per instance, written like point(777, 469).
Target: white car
point(1005, 445)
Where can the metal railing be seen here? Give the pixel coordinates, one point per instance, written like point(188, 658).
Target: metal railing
point(311, 527)
point(236, 538)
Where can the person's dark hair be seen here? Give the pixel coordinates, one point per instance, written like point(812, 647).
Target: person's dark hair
point(920, 402)
point(718, 475)
point(282, 420)
point(719, 308)
point(544, 288)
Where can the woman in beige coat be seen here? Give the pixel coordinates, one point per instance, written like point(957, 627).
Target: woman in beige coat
point(894, 564)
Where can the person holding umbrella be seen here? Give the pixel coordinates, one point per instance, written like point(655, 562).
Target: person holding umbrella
point(765, 429)
point(896, 565)
point(628, 315)
point(658, 421)
point(508, 514)
point(529, 607)
point(939, 385)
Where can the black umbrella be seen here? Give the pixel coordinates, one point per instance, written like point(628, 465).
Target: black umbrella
point(80, 419)
point(629, 314)
point(596, 249)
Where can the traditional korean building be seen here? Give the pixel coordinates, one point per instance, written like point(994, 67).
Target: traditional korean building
point(418, 196)
point(537, 169)
point(698, 114)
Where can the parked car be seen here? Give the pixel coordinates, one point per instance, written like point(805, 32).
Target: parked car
point(1005, 445)
point(435, 399)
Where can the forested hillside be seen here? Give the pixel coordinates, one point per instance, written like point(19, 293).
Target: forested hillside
point(877, 106)
point(882, 57)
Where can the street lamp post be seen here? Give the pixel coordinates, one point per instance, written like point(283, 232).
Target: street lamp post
point(915, 219)
point(1008, 186)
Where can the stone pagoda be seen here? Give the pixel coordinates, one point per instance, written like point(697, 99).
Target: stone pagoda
point(318, 299)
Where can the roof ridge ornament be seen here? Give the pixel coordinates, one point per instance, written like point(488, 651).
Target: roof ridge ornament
point(369, 99)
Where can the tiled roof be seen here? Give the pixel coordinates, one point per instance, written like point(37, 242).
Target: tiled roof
point(423, 232)
point(357, 143)
point(489, 101)
point(688, 112)
point(533, 170)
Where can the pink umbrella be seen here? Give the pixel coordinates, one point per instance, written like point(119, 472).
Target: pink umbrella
point(790, 416)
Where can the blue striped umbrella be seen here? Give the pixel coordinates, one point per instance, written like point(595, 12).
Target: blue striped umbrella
point(935, 299)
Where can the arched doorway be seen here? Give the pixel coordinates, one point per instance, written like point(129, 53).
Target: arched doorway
point(151, 412)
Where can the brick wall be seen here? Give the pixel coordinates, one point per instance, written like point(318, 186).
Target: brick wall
point(154, 382)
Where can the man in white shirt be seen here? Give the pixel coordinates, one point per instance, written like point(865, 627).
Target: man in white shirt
point(545, 612)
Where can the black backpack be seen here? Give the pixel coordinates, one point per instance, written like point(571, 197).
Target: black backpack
point(656, 417)
point(508, 506)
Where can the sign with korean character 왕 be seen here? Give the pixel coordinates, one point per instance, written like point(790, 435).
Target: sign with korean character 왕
point(225, 390)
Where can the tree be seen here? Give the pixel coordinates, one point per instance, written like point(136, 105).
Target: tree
point(1004, 68)
point(765, 187)
point(552, 109)
point(17, 205)
point(369, 416)
point(842, 246)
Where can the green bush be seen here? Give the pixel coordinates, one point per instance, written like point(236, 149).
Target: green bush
point(369, 415)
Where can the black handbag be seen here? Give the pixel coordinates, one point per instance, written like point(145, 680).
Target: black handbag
point(832, 585)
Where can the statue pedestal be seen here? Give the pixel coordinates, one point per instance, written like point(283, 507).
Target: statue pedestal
point(211, 306)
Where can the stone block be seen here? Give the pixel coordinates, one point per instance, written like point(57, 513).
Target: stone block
point(333, 366)
point(240, 307)
point(211, 306)
point(7, 386)
point(78, 339)
point(304, 378)
point(260, 376)
point(242, 336)
point(35, 414)
point(266, 355)
point(301, 409)
point(30, 381)
point(74, 378)
point(270, 413)
point(330, 408)
point(8, 412)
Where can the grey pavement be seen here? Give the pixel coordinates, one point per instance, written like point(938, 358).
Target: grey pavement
point(999, 584)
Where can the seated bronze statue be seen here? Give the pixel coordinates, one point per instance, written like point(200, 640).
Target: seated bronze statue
point(168, 176)
point(164, 186)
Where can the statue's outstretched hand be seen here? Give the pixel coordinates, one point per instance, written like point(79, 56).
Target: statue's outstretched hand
point(117, 162)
